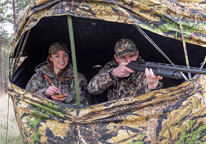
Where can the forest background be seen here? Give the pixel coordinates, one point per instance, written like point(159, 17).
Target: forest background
point(9, 10)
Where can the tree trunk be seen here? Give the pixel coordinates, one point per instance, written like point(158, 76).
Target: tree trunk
point(14, 11)
point(1, 70)
point(5, 71)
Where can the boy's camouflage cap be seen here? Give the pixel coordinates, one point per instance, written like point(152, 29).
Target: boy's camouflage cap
point(125, 46)
point(57, 46)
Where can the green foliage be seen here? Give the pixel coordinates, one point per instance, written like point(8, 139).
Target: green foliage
point(6, 11)
point(33, 123)
point(5, 46)
point(193, 136)
point(5, 16)
point(21, 4)
point(138, 140)
point(5, 38)
point(188, 27)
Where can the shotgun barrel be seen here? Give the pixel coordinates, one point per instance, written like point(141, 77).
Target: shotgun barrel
point(164, 70)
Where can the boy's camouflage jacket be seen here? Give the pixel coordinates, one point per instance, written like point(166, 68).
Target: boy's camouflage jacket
point(133, 85)
point(38, 84)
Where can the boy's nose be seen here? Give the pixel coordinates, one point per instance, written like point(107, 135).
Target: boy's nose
point(128, 60)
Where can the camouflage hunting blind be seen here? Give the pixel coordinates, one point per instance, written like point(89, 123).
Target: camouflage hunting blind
point(174, 114)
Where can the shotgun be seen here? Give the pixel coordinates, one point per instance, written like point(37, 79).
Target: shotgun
point(164, 70)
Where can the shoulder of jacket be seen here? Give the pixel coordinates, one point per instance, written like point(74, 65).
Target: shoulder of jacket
point(43, 64)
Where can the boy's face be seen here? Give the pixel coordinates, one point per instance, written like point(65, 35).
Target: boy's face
point(126, 58)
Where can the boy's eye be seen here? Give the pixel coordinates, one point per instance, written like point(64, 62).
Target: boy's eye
point(56, 56)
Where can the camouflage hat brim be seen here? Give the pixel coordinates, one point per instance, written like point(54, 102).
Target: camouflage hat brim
point(127, 51)
point(56, 47)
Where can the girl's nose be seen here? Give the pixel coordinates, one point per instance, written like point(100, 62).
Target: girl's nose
point(62, 58)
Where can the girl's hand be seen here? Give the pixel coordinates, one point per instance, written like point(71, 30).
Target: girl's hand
point(51, 90)
point(60, 99)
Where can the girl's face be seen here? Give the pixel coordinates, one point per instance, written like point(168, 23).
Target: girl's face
point(60, 60)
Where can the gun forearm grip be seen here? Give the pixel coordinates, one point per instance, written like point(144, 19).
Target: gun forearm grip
point(141, 65)
point(167, 73)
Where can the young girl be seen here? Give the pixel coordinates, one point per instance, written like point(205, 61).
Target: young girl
point(60, 72)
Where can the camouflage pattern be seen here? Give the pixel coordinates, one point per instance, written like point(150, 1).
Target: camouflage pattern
point(57, 46)
point(134, 85)
point(38, 84)
point(156, 16)
point(172, 115)
point(125, 46)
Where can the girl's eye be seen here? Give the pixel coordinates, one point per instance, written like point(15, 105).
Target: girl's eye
point(65, 55)
point(56, 56)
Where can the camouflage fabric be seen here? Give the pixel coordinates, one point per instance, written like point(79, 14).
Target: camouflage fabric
point(38, 84)
point(156, 16)
point(125, 46)
point(134, 85)
point(172, 115)
point(57, 46)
